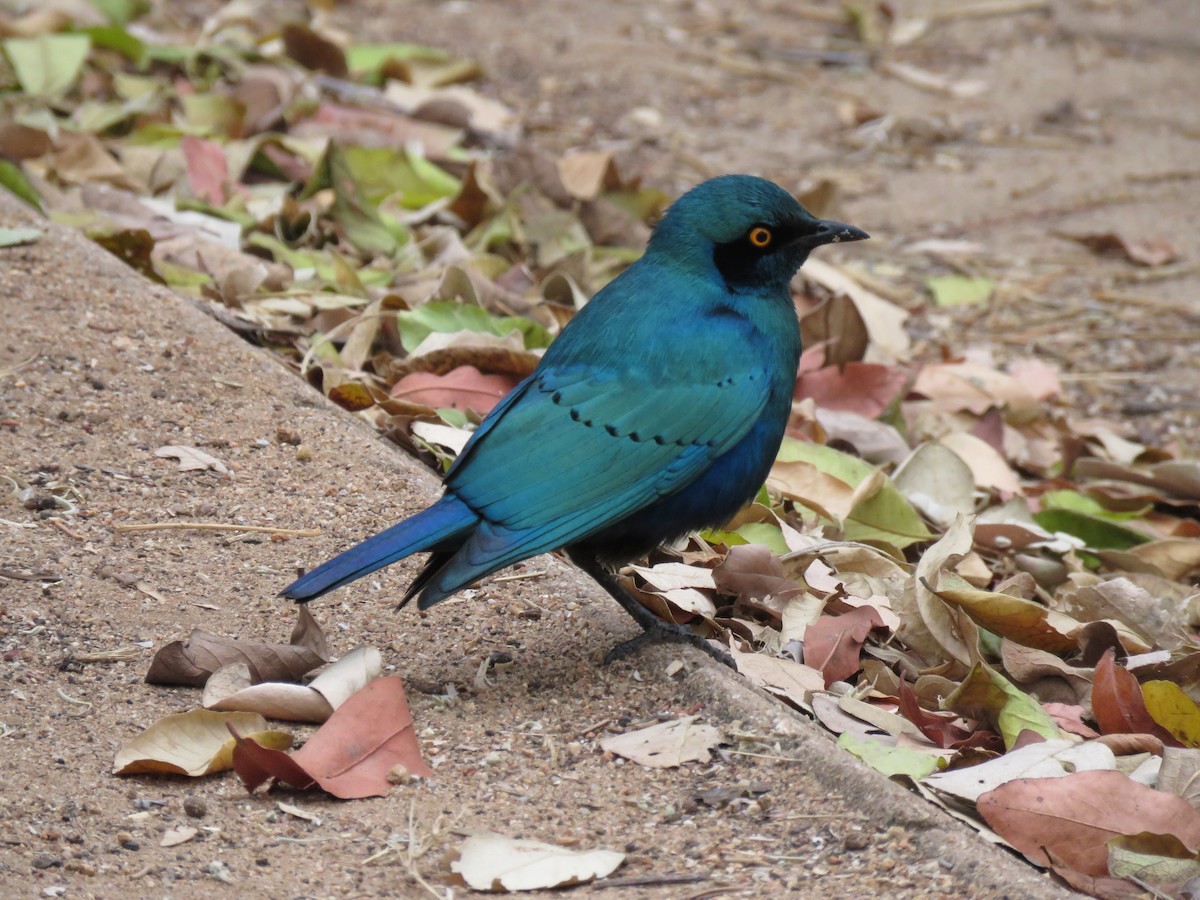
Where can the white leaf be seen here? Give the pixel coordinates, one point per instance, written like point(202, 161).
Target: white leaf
point(492, 862)
point(666, 745)
point(1048, 759)
point(190, 458)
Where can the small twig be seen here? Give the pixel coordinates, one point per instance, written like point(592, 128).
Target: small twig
point(77, 702)
point(648, 880)
point(216, 526)
point(520, 576)
point(29, 576)
point(65, 529)
point(988, 8)
point(592, 728)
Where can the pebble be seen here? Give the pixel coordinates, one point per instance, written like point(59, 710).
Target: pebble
point(856, 840)
point(195, 807)
point(46, 861)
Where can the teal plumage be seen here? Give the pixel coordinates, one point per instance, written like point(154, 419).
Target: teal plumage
point(657, 411)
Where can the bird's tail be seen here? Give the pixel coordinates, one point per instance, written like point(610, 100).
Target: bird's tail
point(442, 521)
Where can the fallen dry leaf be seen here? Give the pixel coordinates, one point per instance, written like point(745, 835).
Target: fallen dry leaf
point(666, 745)
point(232, 688)
point(192, 743)
point(351, 755)
point(191, 662)
point(492, 862)
point(1069, 821)
point(191, 459)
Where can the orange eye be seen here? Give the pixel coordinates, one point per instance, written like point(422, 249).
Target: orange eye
point(760, 236)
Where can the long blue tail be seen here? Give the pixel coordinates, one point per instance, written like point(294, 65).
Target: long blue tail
point(444, 520)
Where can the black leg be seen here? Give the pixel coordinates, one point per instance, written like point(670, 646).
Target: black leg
point(654, 629)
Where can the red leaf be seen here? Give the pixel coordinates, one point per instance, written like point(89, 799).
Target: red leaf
point(939, 728)
point(351, 755)
point(1117, 703)
point(207, 168)
point(863, 388)
point(832, 643)
point(1068, 821)
point(365, 738)
point(1069, 718)
point(462, 388)
point(255, 764)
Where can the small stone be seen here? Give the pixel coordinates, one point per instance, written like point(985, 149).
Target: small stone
point(304, 453)
point(887, 864)
point(856, 840)
point(46, 861)
point(195, 807)
point(286, 435)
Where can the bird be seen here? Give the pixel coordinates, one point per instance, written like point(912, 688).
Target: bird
point(657, 411)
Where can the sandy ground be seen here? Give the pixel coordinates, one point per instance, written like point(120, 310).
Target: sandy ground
point(116, 369)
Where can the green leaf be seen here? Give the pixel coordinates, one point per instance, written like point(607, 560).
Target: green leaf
point(986, 694)
point(117, 39)
point(368, 62)
point(883, 517)
point(1089, 506)
point(13, 237)
point(891, 761)
point(446, 316)
point(960, 290)
point(14, 181)
point(1174, 710)
point(1156, 860)
point(766, 534)
point(1097, 534)
point(385, 172)
point(118, 12)
point(358, 217)
point(48, 64)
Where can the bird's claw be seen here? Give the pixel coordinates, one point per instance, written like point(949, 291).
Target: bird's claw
point(663, 632)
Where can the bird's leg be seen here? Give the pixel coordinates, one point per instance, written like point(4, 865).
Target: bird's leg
point(654, 629)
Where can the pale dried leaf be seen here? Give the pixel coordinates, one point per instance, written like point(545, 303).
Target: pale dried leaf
point(492, 862)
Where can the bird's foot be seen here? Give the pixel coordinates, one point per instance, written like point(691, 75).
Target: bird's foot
point(663, 632)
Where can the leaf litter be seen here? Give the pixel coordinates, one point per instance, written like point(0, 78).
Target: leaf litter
point(943, 543)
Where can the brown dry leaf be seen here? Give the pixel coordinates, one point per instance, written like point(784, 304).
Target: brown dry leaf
point(463, 388)
point(785, 678)
point(884, 320)
point(232, 688)
point(857, 387)
point(989, 468)
point(832, 644)
point(492, 862)
point(666, 745)
point(927, 623)
point(192, 743)
point(1118, 705)
point(588, 173)
point(191, 662)
point(937, 482)
point(191, 459)
point(1180, 774)
point(351, 755)
point(1018, 620)
point(1069, 821)
point(1142, 251)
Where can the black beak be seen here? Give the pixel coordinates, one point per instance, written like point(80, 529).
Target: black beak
point(829, 232)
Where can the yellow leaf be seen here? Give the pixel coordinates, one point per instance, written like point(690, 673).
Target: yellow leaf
point(193, 743)
point(1174, 710)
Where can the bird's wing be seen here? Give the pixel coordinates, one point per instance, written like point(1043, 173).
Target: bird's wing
point(580, 449)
